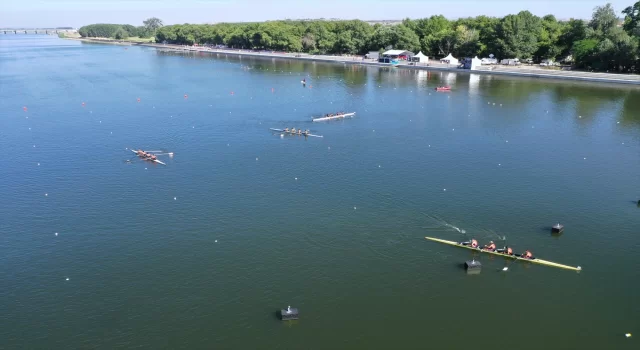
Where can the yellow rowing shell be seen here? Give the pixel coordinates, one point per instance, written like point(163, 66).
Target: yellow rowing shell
point(533, 261)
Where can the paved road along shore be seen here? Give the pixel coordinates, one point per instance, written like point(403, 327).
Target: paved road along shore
point(522, 71)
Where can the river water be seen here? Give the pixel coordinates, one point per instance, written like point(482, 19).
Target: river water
point(97, 252)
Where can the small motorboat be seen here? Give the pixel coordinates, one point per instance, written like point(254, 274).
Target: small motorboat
point(443, 88)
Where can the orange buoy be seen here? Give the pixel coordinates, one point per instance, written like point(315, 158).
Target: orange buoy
point(138, 99)
point(82, 104)
point(232, 92)
point(186, 96)
point(24, 108)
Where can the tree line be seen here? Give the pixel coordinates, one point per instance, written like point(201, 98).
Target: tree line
point(121, 31)
point(603, 43)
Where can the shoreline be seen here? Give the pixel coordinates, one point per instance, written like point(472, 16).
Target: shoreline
point(522, 71)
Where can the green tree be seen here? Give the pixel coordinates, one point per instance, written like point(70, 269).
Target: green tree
point(548, 39)
point(632, 19)
point(572, 32)
point(152, 24)
point(518, 35)
point(604, 19)
point(120, 34)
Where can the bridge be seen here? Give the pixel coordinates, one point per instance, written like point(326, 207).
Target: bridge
point(44, 31)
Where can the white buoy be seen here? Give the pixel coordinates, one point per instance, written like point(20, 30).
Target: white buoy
point(46, 195)
point(175, 198)
point(585, 158)
point(256, 158)
point(67, 278)
point(628, 335)
point(296, 179)
point(56, 233)
point(505, 268)
point(216, 241)
point(38, 164)
point(445, 190)
point(499, 164)
point(354, 208)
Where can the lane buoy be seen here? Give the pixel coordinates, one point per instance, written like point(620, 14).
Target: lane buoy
point(138, 99)
point(24, 108)
point(186, 96)
point(83, 104)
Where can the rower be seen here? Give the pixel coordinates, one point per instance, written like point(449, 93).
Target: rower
point(506, 250)
point(293, 130)
point(286, 129)
point(473, 243)
point(491, 246)
point(307, 132)
point(527, 255)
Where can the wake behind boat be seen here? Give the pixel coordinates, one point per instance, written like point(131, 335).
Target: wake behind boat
point(293, 131)
point(506, 252)
point(334, 116)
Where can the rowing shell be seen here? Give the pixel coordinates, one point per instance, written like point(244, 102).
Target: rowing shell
point(334, 117)
point(517, 257)
point(295, 133)
point(153, 160)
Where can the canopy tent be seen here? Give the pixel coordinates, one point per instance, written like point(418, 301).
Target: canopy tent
point(449, 60)
point(420, 58)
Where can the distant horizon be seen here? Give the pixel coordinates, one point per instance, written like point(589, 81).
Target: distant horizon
point(43, 14)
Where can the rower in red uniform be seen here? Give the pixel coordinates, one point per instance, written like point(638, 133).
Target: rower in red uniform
point(473, 243)
point(527, 255)
point(491, 246)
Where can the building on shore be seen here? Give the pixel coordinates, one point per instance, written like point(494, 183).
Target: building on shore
point(396, 55)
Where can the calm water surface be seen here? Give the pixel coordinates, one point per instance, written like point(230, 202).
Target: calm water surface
point(241, 222)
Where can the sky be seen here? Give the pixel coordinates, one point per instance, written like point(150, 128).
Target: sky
point(76, 13)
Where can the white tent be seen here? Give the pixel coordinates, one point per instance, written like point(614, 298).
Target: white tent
point(449, 60)
point(420, 58)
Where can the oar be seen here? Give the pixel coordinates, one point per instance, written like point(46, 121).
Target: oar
point(506, 268)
